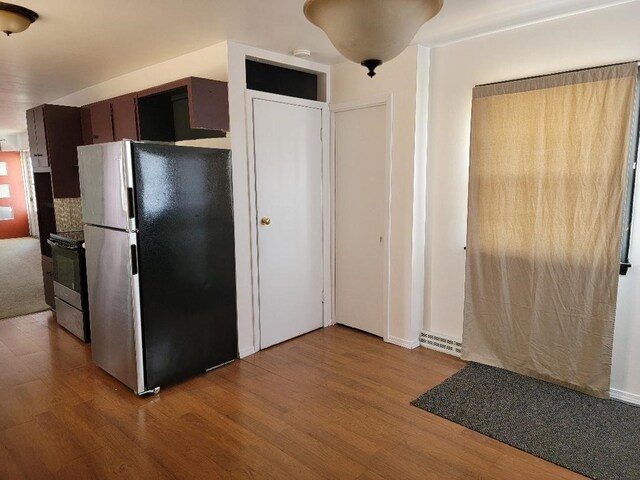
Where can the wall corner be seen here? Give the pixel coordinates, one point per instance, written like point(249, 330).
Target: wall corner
point(419, 294)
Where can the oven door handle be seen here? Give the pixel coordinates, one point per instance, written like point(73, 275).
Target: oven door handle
point(60, 245)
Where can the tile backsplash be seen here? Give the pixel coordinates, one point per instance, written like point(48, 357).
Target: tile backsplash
point(68, 214)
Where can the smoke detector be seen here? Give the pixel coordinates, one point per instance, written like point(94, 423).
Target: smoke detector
point(301, 53)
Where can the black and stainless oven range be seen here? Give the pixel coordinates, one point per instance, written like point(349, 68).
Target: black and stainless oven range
point(70, 284)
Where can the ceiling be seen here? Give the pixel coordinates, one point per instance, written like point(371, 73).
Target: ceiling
point(78, 43)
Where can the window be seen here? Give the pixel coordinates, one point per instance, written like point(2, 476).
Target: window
point(630, 189)
point(265, 77)
point(3, 169)
point(5, 190)
point(6, 213)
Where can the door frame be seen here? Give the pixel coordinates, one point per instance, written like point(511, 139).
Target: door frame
point(327, 307)
point(30, 193)
point(387, 103)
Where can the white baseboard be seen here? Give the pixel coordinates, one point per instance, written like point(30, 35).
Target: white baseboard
point(401, 342)
point(245, 352)
point(625, 397)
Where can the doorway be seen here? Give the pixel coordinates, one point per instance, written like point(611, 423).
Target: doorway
point(286, 150)
point(361, 182)
point(30, 193)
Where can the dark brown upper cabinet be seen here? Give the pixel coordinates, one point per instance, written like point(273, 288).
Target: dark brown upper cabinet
point(109, 120)
point(97, 126)
point(100, 122)
point(54, 134)
point(125, 117)
point(186, 109)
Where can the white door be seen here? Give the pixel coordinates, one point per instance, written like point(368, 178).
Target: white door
point(360, 209)
point(288, 172)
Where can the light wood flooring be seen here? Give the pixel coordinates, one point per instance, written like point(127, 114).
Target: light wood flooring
point(331, 404)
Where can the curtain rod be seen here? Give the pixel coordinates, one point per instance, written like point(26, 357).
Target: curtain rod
point(637, 62)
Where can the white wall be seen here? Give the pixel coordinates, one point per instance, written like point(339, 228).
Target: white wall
point(14, 142)
point(398, 80)
point(600, 37)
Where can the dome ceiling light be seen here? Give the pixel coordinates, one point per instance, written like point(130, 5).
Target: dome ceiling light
point(15, 19)
point(371, 32)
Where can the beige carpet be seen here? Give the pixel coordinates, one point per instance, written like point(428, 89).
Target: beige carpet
point(21, 289)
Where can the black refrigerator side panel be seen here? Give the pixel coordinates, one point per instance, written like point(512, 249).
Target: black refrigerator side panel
point(186, 257)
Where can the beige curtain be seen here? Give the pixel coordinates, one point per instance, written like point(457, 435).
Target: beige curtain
point(548, 166)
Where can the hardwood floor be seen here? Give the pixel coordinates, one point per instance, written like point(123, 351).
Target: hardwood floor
point(331, 404)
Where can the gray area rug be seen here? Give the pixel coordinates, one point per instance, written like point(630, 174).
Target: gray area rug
point(596, 438)
point(21, 290)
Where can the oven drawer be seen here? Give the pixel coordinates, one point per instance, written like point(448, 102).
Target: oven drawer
point(65, 293)
point(71, 319)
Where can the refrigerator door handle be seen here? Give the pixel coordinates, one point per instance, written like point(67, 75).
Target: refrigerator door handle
point(134, 260)
point(130, 202)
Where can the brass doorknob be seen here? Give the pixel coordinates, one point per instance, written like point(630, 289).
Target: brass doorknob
point(265, 221)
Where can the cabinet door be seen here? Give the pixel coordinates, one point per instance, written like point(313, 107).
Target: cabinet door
point(125, 118)
point(85, 123)
point(31, 133)
point(46, 213)
point(41, 137)
point(208, 104)
point(37, 138)
point(101, 122)
point(64, 134)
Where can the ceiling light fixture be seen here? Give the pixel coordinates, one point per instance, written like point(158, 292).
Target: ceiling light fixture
point(15, 19)
point(370, 32)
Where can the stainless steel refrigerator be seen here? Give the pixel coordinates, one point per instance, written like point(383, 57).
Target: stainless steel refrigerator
point(158, 229)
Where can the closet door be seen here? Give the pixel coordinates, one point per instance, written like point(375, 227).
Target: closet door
point(289, 220)
point(360, 206)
